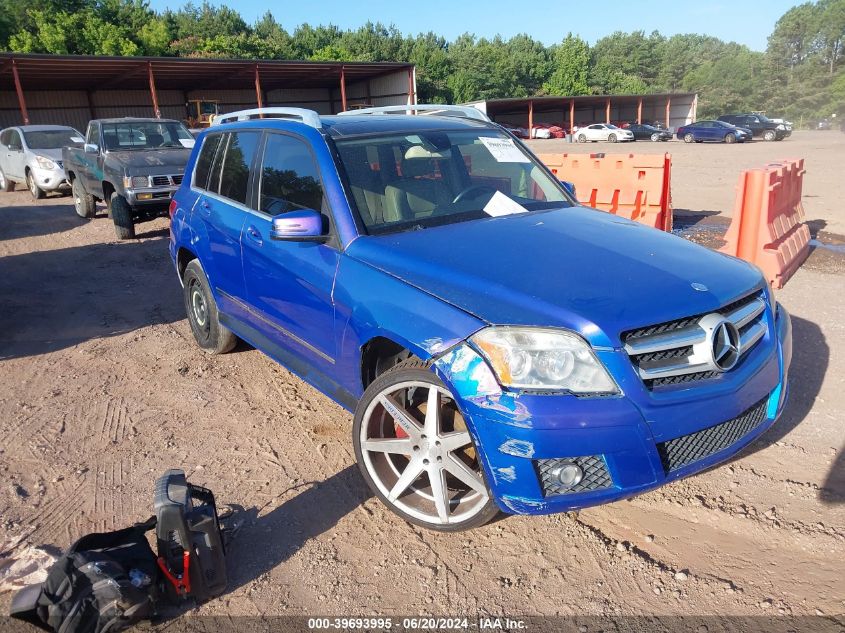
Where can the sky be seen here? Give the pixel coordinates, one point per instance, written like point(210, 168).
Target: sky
point(744, 21)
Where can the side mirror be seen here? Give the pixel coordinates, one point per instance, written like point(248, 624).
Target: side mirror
point(305, 225)
point(91, 148)
point(570, 188)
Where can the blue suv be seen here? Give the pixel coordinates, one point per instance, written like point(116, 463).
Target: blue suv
point(502, 348)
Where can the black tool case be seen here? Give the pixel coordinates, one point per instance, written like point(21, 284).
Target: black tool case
point(192, 555)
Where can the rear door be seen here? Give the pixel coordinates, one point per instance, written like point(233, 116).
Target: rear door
point(289, 284)
point(222, 178)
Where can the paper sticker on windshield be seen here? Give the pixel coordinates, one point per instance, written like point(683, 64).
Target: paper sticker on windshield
point(500, 204)
point(504, 150)
point(77, 139)
point(187, 142)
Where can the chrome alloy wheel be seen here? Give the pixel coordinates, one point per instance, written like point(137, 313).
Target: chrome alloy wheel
point(419, 454)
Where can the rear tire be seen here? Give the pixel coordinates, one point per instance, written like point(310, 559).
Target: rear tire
point(83, 202)
point(6, 184)
point(121, 215)
point(688, 137)
point(36, 191)
point(769, 135)
point(465, 501)
point(582, 138)
point(212, 337)
point(730, 138)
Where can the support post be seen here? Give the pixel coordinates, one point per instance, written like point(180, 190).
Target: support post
point(342, 89)
point(668, 111)
point(411, 99)
point(153, 92)
point(640, 111)
point(259, 95)
point(19, 90)
point(572, 117)
point(530, 119)
point(607, 112)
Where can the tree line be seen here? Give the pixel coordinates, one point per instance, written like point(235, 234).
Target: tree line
point(800, 75)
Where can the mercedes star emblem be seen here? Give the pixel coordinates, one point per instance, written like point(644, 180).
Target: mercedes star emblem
point(725, 345)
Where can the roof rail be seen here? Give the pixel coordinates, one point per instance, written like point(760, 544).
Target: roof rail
point(466, 112)
point(308, 117)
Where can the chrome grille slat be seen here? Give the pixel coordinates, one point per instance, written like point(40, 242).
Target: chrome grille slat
point(679, 351)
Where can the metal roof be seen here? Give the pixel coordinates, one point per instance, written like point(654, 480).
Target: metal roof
point(87, 72)
point(548, 102)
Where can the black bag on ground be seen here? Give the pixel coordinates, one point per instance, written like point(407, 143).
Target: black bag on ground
point(105, 582)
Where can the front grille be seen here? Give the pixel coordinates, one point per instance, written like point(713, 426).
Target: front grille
point(161, 181)
point(684, 450)
point(595, 477)
point(177, 179)
point(678, 351)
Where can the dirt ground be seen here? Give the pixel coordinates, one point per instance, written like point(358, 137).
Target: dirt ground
point(102, 388)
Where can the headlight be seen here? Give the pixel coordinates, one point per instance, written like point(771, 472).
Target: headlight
point(44, 162)
point(536, 358)
point(781, 126)
point(133, 182)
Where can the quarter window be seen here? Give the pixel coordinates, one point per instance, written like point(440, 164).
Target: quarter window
point(238, 159)
point(15, 141)
point(205, 159)
point(290, 179)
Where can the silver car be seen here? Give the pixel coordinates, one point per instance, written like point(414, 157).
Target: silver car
point(32, 155)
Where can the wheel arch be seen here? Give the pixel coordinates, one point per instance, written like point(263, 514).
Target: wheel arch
point(378, 355)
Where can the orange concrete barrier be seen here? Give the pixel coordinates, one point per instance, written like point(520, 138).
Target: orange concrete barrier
point(635, 186)
point(768, 227)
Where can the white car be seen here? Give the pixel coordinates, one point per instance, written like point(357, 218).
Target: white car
point(603, 132)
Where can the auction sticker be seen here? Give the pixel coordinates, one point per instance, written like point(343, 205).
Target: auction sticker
point(504, 150)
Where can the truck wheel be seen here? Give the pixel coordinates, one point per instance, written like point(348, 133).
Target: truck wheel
point(36, 191)
point(6, 184)
point(769, 135)
point(83, 201)
point(730, 138)
point(211, 336)
point(121, 215)
point(416, 453)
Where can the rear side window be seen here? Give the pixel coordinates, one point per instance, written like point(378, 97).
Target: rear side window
point(4, 137)
point(205, 160)
point(290, 179)
point(236, 163)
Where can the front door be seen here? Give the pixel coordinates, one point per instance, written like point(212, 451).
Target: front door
point(289, 284)
point(14, 166)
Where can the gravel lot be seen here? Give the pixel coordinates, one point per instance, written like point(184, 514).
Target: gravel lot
point(102, 389)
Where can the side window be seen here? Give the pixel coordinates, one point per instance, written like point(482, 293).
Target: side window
point(236, 163)
point(15, 141)
point(4, 137)
point(290, 179)
point(91, 136)
point(205, 159)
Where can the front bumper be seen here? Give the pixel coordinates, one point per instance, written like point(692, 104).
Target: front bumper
point(150, 197)
point(49, 179)
point(620, 443)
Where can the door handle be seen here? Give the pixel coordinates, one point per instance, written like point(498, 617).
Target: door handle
point(254, 235)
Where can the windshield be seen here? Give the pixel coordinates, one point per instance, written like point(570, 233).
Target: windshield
point(610, 126)
point(410, 181)
point(53, 139)
point(146, 135)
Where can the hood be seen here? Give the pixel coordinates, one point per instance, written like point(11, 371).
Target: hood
point(52, 154)
point(574, 268)
point(153, 161)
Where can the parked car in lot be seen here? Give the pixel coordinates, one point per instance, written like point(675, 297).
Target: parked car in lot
point(644, 132)
point(603, 132)
point(411, 268)
point(31, 155)
point(717, 131)
point(133, 165)
point(759, 125)
point(787, 125)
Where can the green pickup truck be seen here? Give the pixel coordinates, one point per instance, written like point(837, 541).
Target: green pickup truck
point(133, 165)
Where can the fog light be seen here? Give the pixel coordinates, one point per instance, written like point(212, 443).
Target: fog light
point(569, 475)
point(145, 196)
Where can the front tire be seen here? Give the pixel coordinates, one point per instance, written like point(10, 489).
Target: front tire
point(212, 337)
point(83, 202)
point(688, 137)
point(769, 135)
point(416, 453)
point(612, 138)
point(121, 215)
point(36, 191)
point(655, 137)
point(730, 138)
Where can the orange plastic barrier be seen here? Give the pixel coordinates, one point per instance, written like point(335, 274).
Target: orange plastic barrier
point(768, 227)
point(635, 186)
